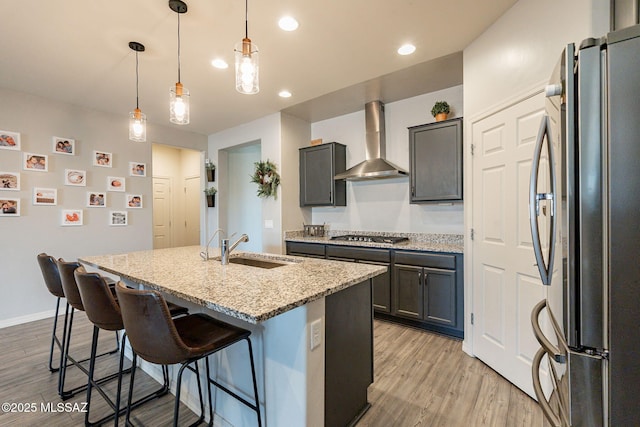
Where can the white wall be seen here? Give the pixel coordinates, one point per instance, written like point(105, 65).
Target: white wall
point(520, 50)
point(383, 205)
point(280, 136)
point(295, 134)
point(24, 295)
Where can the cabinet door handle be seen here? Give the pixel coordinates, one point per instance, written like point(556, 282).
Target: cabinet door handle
point(419, 276)
point(413, 191)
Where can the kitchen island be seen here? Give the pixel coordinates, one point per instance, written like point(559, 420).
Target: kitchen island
point(278, 298)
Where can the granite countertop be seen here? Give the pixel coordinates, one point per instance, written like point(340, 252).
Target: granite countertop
point(452, 243)
point(248, 293)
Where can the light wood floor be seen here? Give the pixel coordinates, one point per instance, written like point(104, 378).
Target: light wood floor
point(421, 379)
point(424, 379)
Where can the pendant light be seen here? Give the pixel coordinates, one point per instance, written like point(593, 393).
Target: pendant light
point(137, 120)
point(178, 95)
point(247, 61)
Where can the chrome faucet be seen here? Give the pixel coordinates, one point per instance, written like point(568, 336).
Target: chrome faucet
point(205, 254)
point(226, 249)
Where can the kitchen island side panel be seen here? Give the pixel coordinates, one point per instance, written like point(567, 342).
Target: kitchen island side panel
point(348, 354)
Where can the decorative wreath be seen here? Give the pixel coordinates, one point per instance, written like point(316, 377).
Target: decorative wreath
point(267, 178)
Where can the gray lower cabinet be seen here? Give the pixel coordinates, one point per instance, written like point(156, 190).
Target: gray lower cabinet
point(427, 294)
point(408, 291)
point(318, 165)
point(422, 289)
point(428, 290)
point(381, 289)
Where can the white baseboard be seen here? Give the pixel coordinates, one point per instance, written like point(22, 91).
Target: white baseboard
point(26, 319)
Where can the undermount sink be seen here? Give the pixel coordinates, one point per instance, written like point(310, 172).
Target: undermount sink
point(254, 262)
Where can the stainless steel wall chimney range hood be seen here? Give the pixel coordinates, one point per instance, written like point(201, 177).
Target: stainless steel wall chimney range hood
point(375, 166)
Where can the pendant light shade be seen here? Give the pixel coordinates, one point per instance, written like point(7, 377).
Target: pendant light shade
point(137, 119)
point(246, 55)
point(178, 94)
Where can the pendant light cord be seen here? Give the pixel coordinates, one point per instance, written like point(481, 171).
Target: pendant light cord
point(246, 19)
point(137, 97)
point(178, 47)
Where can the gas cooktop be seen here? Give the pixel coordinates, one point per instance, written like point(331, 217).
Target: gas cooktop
point(370, 239)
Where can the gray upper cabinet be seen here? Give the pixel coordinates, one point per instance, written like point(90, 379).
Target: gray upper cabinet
point(435, 155)
point(318, 165)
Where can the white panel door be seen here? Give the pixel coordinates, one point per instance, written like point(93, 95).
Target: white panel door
point(161, 213)
point(505, 280)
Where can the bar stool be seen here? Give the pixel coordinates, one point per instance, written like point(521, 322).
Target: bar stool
point(103, 311)
point(157, 338)
point(72, 294)
point(51, 277)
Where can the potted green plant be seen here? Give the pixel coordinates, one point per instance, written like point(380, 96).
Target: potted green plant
point(440, 110)
point(210, 192)
point(210, 167)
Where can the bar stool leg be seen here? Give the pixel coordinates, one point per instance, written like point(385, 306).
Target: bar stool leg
point(92, 366)
point(176, 405)
point(134, 361)
point(66, 339)
point(206, 359)
point(255, 384)
point(119, 388)
point(54, 338)
point(65, 358)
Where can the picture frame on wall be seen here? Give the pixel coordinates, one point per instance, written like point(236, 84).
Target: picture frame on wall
point(96, 199)
point(71, 217)
point(137, 169)
point(45, 196)
point(134, 201)
point(9, 181)
point(9, 140)
point(35, 162)
point(116, 183)
point(66, 146)
point(75, 177)
point(118, 218)
point(102, 159)
point(9, 207)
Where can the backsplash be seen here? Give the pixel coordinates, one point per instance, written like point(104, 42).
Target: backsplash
point(449, 239)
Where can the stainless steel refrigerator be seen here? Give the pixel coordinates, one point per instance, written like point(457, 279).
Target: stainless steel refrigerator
point(585, 222)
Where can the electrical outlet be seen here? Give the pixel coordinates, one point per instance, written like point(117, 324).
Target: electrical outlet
point(315, 336)
point(268, 223)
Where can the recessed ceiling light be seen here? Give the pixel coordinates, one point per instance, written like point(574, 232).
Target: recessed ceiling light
point(406, 49)
point(220, 63)
point(285, 94)
point(288, 23)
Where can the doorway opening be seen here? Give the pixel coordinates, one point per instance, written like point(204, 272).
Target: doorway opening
point(176, 196)
point(242, 210)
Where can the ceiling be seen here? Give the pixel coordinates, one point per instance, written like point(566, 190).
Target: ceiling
point(342, 55)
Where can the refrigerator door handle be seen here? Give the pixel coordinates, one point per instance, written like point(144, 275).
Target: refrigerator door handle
point(558, 355)
point(547, 410)
point(545, 269)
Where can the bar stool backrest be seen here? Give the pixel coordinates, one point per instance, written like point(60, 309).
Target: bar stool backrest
point(51, 274)
point(149, 326)
point(99, 302)
point(69, 283)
